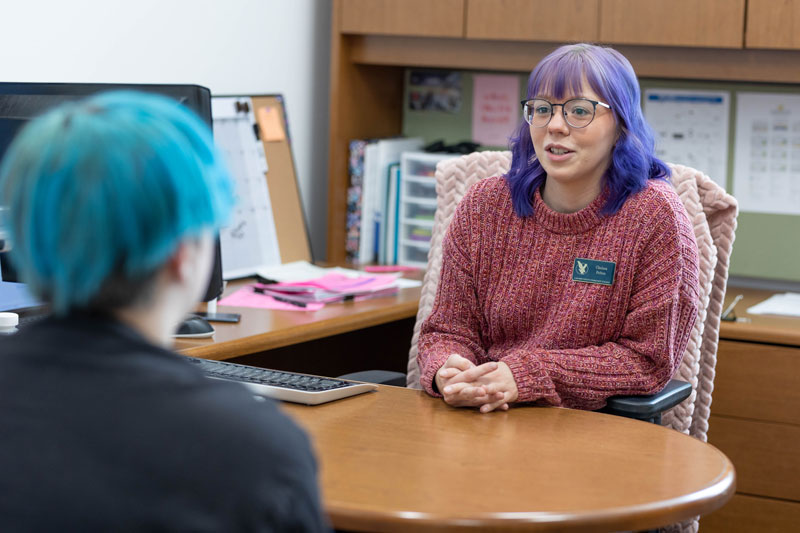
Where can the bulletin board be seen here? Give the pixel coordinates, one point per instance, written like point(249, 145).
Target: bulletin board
point(767, 245)
point(268, 225)
point(284, 190)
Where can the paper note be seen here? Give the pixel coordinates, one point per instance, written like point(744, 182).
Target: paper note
point(245, 297)
point(787, 304)
point(269, 122)
point(691, 128)
point(495, 108)
point(766, 177)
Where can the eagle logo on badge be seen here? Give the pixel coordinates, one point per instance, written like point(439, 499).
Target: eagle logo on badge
point(582, 267)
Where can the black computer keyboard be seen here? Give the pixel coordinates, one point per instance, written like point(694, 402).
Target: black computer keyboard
point(286, 386)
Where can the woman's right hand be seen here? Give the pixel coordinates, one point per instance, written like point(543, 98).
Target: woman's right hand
point(457, 381)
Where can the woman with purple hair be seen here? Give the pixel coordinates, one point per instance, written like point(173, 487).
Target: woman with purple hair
point(572, 278)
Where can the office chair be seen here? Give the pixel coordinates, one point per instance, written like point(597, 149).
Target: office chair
point(686, 401)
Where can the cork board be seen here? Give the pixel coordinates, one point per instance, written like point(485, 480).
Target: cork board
point(287, 206)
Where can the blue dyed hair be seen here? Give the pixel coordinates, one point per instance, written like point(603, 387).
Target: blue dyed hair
point(611, 76)
point(107, 188)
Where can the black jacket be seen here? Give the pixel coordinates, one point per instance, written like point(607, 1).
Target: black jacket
point(102, 431)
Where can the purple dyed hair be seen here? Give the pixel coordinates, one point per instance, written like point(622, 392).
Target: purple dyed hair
point(611, 76)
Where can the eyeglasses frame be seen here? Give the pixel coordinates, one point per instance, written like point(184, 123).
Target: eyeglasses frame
point(594, 103)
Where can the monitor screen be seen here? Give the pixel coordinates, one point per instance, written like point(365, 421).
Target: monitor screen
point(20, 102)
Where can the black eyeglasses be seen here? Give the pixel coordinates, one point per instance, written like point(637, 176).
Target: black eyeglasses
point(578, 112)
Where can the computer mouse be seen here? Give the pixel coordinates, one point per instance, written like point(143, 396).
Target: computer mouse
point(194, 327)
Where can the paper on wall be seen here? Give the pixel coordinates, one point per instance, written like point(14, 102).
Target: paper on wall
point(496, 110)
point(766, 177)
point(691, 128)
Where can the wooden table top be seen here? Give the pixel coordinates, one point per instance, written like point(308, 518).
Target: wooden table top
point(267, 329)
point(399, 460)
point(770, 329)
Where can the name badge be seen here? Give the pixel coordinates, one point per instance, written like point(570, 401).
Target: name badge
point(593, 271)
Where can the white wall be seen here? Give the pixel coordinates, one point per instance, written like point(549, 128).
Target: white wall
point(229, 46)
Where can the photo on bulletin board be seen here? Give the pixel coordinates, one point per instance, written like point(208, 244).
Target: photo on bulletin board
point(434, 90)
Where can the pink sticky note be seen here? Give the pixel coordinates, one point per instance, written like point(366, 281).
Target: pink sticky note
point(245, 297)
point(495, 108)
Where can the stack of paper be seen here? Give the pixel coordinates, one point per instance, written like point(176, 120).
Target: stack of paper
point(333, 287)
point(787, 304)
point(302, 273)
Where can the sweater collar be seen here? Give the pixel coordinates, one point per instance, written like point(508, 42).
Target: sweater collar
point(569, 223)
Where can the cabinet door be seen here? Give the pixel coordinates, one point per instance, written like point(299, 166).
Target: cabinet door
point(746, 514)
point(758, 381)
point(429, 18)
point(533, 20)
point(765, 454)
point(773, 24)
point(711, 23)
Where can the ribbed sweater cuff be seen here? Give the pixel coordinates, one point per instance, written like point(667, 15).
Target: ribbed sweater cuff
point(432, 361)
point(532, 382)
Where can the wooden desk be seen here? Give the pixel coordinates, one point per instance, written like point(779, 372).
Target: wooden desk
point(768, 329)
point(755, 418)
point(399, 460)
point(350, 336)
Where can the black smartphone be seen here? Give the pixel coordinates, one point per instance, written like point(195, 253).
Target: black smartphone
point(220, 317)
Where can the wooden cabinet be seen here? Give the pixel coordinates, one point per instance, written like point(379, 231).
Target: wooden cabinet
point(706, 23)
point(758, 381)
point(755, 420)
point(773, 24)
point(749, 514)
point(766, 455)
point(532, 20)
point(442, 18)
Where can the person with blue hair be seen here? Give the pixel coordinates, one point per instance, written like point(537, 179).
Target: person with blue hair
point(574, 277)
point(114, 202)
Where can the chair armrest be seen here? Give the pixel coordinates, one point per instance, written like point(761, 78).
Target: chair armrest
point(649, 407)
point(379, 377)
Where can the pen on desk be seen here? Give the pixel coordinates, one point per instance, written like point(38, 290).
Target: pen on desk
point(729, 309)
point(259, 290)
point(288, 301)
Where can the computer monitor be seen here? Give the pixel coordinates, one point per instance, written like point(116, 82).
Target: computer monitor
point(20, 102)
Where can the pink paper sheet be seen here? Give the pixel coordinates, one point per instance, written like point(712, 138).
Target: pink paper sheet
point(495, 108)
point(245, 297)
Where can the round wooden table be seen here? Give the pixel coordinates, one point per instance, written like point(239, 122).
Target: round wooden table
point(399, 460)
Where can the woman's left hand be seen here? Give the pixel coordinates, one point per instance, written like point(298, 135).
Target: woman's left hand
point(498, 381)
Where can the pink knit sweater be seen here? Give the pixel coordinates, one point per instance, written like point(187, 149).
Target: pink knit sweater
point(506, 293)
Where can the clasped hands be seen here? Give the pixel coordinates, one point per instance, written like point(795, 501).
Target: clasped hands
point(488, 386)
